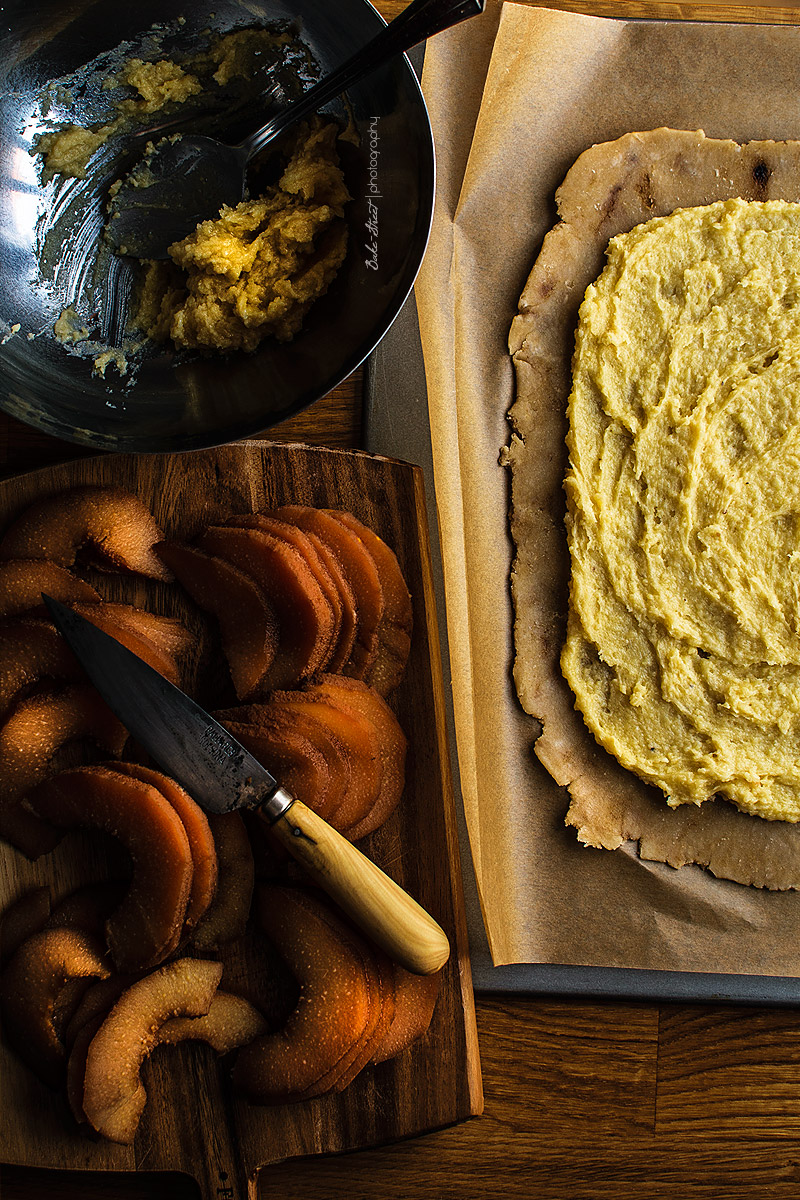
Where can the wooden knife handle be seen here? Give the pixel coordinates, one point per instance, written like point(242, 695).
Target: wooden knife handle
point(377, 904)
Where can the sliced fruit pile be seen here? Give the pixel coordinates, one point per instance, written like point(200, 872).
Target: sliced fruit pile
point(81, 1026)
point(170, 843)
point(314, 619)
point(335, 743)
point(44, 700)
point(355, 1005)
point(298, 591)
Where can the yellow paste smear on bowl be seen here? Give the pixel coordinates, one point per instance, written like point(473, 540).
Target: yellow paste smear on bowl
point(67, 151)
point(683, 646)
point(256, 270)
point(160, 84)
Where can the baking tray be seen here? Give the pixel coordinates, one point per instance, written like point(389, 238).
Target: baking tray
point(396, 423)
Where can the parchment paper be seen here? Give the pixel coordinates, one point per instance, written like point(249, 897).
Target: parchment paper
point(515, 96)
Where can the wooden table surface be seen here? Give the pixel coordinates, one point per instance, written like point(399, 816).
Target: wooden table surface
point(583, 1100)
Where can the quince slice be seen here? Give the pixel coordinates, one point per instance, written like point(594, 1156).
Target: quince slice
point(88, 907)
point(394, 630)
point(113, 1094)
point(156, 639)
point(31, 651)
point(343, 1072)
point(305, 617)
point(231, 1022)
point(334, 748)
point(385, 983)
point(247, 622)
point(27, 915)
point(168, 634)
point(359, 569)
point(360, 739)
point(22, 581)
point(348, 621)
point(36, 729)
point(309, 760)
point(147, 925)
point(114, 525)
point(305, 546)
point(198, 831)
point(97, 1001)
point(334, 1005)
point(415, 1000)
point(76, 1065)
point(392, 744)
point(95, 1005)
point(226, 917)
point(38, 993)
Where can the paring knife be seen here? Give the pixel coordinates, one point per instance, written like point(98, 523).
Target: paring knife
point(221, 775)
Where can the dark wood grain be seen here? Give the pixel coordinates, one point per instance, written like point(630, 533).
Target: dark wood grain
point(583, 1101)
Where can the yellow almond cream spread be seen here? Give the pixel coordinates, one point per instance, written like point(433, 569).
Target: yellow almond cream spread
point(683, 493)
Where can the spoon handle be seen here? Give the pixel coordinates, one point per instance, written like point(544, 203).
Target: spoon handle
point(421, 20)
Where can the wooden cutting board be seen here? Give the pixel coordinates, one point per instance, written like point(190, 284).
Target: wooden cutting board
point(193, 1122)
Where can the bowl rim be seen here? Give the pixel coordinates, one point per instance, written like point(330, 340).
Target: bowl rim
point(143, 443)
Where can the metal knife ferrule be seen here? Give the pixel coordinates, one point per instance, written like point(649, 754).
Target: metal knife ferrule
point(279, 802)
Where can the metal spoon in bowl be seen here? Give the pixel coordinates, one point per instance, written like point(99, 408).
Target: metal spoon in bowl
point(187, 178)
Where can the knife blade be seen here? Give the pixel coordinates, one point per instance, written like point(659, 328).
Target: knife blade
point(221, 775)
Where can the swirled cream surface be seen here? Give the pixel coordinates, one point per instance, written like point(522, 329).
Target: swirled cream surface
point(683, 493)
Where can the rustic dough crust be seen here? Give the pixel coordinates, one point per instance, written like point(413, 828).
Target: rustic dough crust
point(611, 188)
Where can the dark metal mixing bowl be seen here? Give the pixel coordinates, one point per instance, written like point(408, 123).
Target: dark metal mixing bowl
point(179, 402)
